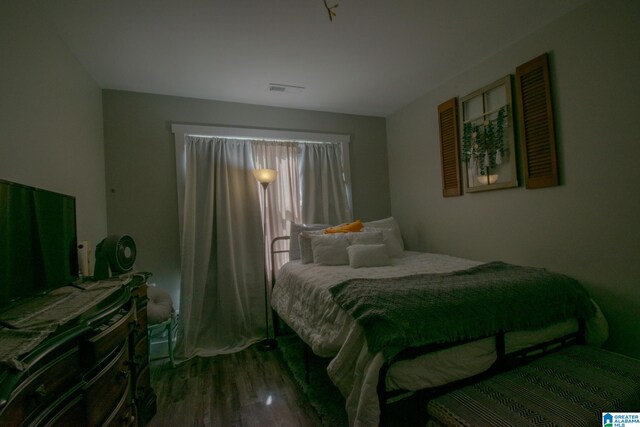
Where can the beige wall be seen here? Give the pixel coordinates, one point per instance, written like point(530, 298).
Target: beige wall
point(50, 117)
point(140, 158)
point(589, 226)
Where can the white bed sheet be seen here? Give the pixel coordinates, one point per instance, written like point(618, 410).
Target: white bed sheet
point(302, 299)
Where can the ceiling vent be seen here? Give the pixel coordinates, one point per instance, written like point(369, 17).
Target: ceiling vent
point(276, 87)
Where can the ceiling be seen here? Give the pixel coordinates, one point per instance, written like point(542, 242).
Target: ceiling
point(374, 58)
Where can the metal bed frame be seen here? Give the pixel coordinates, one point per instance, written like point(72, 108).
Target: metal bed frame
point(504, 361)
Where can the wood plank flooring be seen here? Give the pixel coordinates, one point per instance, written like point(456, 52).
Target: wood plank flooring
point(247, 388)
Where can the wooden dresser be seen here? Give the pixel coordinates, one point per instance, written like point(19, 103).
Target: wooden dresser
point(92, 370)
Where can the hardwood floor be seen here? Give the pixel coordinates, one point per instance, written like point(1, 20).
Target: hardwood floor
point(248, 388)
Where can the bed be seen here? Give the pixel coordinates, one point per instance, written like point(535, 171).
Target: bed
point(304, 298)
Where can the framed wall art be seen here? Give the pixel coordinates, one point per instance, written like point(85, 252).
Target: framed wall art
point(487, 146)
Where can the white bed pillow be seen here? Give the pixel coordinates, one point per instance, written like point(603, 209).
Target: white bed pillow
point(330, 249)
point(294, 231)
point(391, 235)
point(360, 237)
point(368, 256)
point(304, 243)
point(373, 237)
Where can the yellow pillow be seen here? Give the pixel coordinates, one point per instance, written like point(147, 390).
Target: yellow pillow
point(345, 228)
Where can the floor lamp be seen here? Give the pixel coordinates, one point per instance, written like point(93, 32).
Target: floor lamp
point(266, 177)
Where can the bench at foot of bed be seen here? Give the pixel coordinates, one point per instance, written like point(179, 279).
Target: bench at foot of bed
point(573, 387)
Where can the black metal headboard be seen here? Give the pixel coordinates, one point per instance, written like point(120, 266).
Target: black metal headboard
point(275, 251)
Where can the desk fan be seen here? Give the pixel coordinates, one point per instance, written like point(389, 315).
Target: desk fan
point(114, 255)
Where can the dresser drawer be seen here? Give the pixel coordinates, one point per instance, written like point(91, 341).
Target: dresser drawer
point(109, 336)
point(71, 414)
point(43, 388)
point(124, 415)
point(103, 392)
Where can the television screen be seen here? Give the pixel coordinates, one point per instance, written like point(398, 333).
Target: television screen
point(38, 241)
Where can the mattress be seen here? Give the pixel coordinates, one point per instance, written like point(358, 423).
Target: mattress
point(302, 299)
point(301, 296)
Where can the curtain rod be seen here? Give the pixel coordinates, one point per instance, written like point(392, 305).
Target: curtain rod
point(259, 134)
point(255, 139)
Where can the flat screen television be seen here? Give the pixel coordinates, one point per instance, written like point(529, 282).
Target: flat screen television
point(38, 241)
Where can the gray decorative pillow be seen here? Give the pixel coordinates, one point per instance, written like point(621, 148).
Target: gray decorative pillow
point(330, 249)
point(390, 235)
point(361, 237)
point(366, 237)
point(159, 305)
point(294, 231)
point(304, 241)
point(368, 256)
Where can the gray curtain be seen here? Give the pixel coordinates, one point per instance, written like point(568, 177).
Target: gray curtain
point(222, 291)
point(283, 195)
point(322, 184)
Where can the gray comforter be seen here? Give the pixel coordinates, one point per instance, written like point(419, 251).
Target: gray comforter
point(396, 313)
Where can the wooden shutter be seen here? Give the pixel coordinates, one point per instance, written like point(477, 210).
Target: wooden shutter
point(448, 119)
point(537, 132)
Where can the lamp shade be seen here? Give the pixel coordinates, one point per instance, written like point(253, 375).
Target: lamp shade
point(265, 176)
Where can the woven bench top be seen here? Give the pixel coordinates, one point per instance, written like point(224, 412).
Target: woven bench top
point(572, 387)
